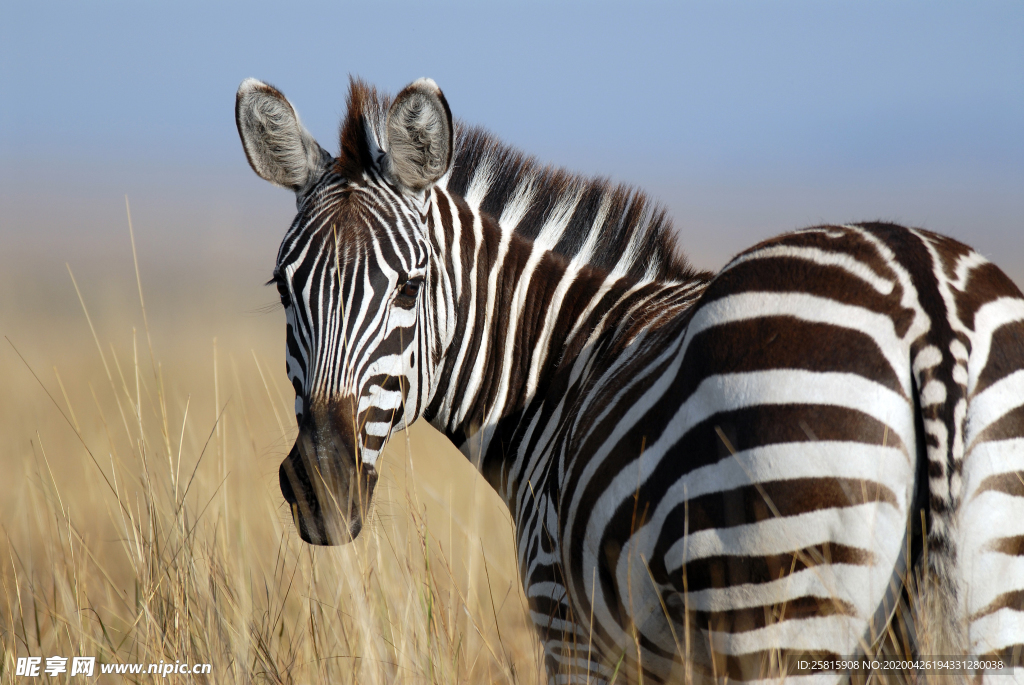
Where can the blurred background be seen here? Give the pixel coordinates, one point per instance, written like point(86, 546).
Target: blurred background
point(744, 118)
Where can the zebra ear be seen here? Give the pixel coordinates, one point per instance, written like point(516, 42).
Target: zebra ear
point(419, 135)
point(278, 147)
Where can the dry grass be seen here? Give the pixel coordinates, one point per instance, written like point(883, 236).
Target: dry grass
point(142, 521)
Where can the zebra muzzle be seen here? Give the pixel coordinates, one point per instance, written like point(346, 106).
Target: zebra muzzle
point(328, 490)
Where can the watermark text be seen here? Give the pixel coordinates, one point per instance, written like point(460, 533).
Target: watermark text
point(37, 666)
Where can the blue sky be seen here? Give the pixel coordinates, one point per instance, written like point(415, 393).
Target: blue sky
point(744, 118)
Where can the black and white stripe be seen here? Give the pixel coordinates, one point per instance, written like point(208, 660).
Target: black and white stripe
point(732, 466)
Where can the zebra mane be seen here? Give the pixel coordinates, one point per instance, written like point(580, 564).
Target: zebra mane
point(616, 226)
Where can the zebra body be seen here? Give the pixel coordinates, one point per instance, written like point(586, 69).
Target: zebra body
point(731, 467)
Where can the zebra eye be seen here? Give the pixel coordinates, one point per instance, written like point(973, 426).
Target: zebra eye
point(282, 290)
point(411, 288)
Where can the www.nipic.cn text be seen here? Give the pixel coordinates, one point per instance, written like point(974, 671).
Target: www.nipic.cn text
point(36, 666)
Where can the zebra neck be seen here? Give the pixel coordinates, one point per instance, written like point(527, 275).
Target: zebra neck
point(524, 319)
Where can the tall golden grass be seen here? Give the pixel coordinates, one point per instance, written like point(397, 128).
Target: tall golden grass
point(142, 521)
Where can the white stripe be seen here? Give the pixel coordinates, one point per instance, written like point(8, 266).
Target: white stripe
point(461, 358)
point(820, 581)
point(934, 392)
point(836, 634)
point(966, 265)
point(382, 399)
point(994, 402)
point(558, 219)
point(519, 204)
point(858, 526)
point(987, 320)
point(381, 429)
point(990, 459)
point(481, 183)
point(747, 306)
point(791, 461)
point(995, 631)
point(816, 255)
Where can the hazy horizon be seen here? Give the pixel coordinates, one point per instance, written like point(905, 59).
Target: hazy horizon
point(743, 119)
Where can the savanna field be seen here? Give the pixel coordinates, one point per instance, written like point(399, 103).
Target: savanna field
point(144, 414)
point(142, 521)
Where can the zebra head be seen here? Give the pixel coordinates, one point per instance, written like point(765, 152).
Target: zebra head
point(349, 272)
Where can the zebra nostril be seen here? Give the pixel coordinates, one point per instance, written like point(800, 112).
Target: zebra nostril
point(301, 504)
point(286, 486)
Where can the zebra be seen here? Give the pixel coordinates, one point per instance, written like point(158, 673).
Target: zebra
point(708, 473)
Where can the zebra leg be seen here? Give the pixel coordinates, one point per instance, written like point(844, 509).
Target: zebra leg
point(991, 516)
point(969, 368)
point(572, 664)
point(569, 655)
